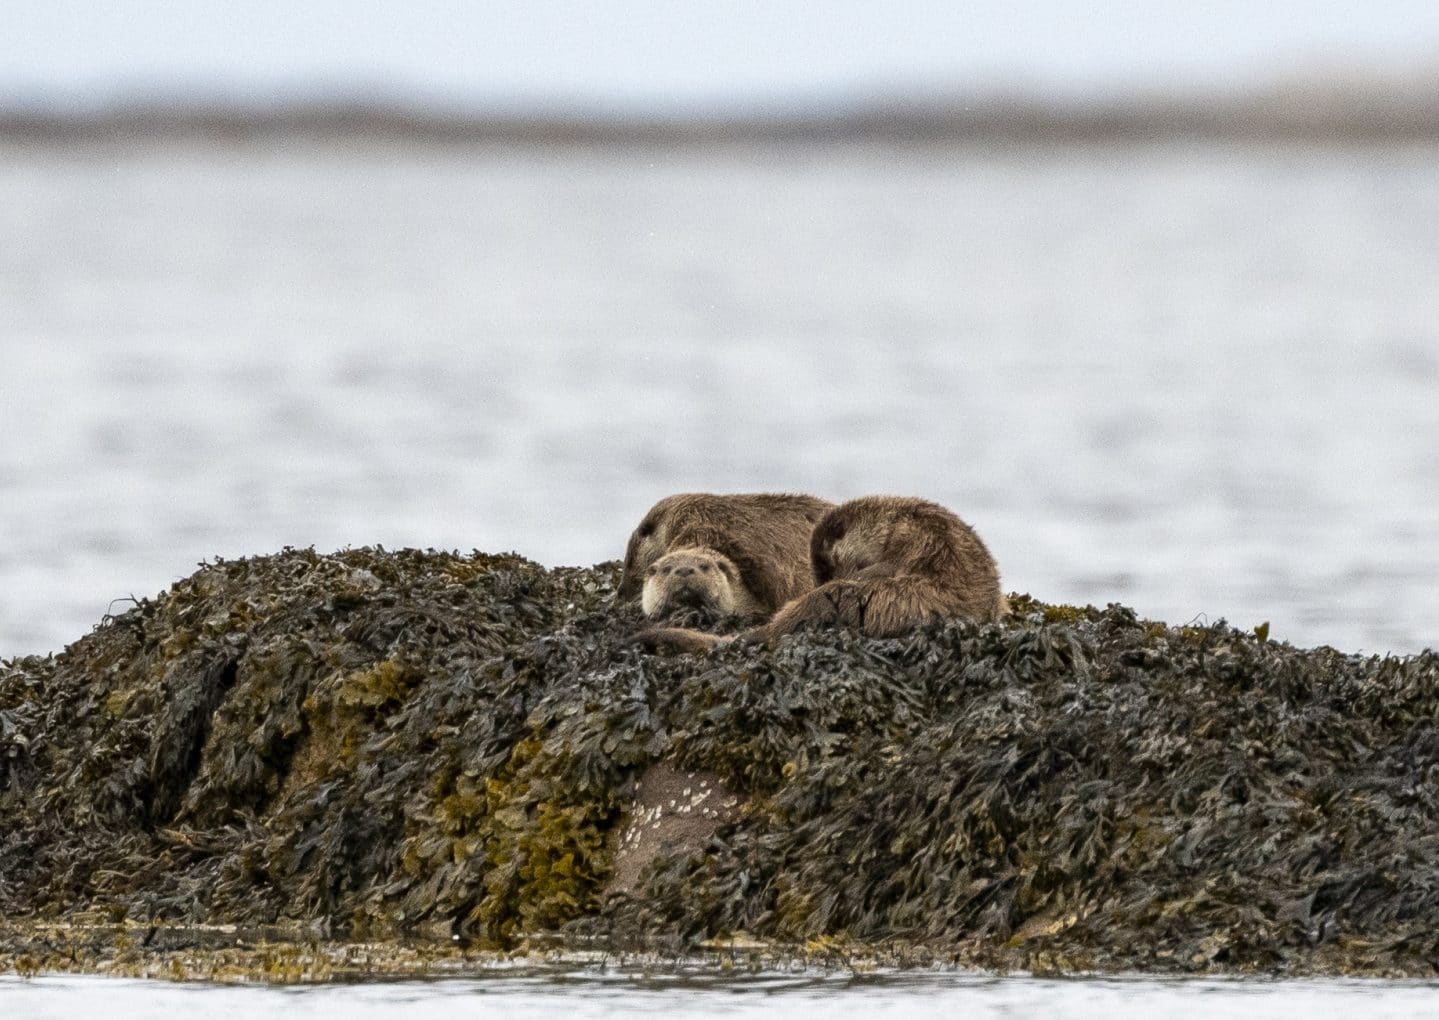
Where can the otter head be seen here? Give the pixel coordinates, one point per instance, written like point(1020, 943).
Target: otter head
point(876, 536)
point(693, 578)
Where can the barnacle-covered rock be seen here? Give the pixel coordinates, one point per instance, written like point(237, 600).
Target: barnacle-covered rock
point(372, 745)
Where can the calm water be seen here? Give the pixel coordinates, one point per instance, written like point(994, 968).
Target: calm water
point(581, 996)
point(1201, 381)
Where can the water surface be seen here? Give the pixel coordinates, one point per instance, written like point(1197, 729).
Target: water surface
point(1202, 381)
point(580, 996)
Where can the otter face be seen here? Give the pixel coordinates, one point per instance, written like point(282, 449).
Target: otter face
point(696, 578)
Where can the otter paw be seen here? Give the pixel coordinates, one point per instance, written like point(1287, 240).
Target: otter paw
point(675, 639)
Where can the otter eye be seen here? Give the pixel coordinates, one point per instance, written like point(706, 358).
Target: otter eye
point(706, 567)
point(652, 571)
point(646, 530)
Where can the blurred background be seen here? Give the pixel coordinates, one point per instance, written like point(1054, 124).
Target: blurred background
point(1148, 293)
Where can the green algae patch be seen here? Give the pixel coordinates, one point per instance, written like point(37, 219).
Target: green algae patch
point(414, 756)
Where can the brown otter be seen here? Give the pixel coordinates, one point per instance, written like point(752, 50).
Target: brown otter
point(882, 564)
point(764, 536)
point(695, 578)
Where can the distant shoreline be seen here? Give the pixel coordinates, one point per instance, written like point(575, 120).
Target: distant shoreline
point(1363, 116)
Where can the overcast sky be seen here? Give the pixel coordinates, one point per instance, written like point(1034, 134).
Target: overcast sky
point(647, 53)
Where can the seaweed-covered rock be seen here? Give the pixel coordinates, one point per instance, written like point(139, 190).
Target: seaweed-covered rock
point(375, 744)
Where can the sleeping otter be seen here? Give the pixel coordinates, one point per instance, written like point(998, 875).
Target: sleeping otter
point(883, 564)
point(765, 537)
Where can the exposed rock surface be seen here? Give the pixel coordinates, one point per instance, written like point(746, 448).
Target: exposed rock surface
point(376, 744)
point(674, 813)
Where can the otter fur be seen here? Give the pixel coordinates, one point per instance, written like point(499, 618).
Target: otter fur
point(882, 564)
point(695, 578)
point(764, 536)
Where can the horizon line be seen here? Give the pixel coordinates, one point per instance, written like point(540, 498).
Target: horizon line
point(1336, 111)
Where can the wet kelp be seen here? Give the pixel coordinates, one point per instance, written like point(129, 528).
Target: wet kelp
point(410, 745)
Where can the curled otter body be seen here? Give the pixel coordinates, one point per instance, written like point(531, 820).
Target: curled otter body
point(882, 564)
point(765, 536)
point(695, 577)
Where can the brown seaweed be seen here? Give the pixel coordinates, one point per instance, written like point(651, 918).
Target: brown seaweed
point(434, 749)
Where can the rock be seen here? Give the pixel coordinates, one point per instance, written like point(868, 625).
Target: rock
point(405, 745)
point(675, 812)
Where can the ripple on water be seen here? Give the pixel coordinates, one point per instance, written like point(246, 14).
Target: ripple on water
point(579, 995)
point(1149, 373)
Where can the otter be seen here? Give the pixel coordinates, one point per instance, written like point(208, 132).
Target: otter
point(882, 564)
point(765, 537)
point(695, 578)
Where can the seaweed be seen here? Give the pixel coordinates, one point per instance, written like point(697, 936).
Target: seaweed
point(433, 752)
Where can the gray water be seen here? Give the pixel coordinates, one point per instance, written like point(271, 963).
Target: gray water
point(1201, 381)
point(581, 995)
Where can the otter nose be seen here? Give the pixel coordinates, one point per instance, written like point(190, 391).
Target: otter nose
point(684, 571)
